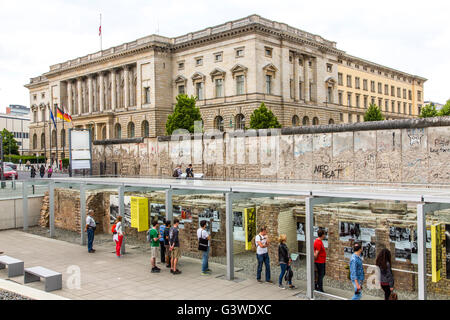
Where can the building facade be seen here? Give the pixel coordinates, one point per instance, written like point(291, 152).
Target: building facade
point(129, 90)
point(19, 127)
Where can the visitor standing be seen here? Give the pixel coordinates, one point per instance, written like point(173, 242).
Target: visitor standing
point(177, 172)
point(154, 244)
point(189, 171)
point(166, 243)
point(285, 262)
point(50, 171)
point(90, 229)
point(386, 276)
point(174, 247)
point(32, 172)
point(262, 254)
point(162, 227)
point(204, 239)
point(320, 257)
point(118, 236)
point(27, 164)
point(357, 271)
point(42, 171)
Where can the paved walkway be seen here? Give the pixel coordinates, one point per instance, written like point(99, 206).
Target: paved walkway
point(103, 276)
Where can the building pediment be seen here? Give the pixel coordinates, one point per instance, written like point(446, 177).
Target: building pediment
point(198, 76)
point(330, 81)
point(270, 68)
point(217, 72)
point(180, 79)
point(238, 68)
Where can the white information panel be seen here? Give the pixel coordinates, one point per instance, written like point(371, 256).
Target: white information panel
point(80, 154)
point(80, 149)
point(80, 140)
point(81, 164)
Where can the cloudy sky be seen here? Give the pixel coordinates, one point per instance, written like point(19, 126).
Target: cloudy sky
point(411, 36)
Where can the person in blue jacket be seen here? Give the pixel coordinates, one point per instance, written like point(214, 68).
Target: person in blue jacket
point(357, 271)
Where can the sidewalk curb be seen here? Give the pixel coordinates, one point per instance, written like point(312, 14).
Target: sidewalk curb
point(28, 292)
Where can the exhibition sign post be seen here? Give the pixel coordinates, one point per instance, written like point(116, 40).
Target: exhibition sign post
point(80, 150)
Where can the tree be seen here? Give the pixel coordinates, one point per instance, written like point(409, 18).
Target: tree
point(428, 110)
point(373, 113)
point(9, 143)
point(184, 115)
point(445, 111)
point(263, 118)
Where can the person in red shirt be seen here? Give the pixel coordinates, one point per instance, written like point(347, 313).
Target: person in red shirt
point(320, 257)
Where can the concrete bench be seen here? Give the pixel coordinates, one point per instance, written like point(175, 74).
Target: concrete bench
point(15, 266)
point(53, 280)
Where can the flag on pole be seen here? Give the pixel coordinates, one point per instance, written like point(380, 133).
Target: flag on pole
point(59, 113)
point(53, 118)
point(100, 32)
point(67, 117)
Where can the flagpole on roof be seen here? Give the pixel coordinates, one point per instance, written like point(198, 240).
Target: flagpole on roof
point(100, 32)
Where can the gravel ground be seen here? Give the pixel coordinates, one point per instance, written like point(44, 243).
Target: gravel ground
point(7, 295)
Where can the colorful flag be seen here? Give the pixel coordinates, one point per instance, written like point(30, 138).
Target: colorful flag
point(51, 117)
point(59, 113)
point(67, 117)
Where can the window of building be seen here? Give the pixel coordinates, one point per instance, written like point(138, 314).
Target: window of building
point(399, 95)
point(219, 88)
point(357, 101)
point(43, 114)
point(239, 122)
point(410, 108)
point(199, 61)
point(268, 51)
point(399, 107)
point(291, 88)
point(386, 89)
point(357, 66)
point(380, 88)
point(117, 131)
point(380, 102)
point(239, 52)
point(357, 83)
point(43, 141)
point(393, 106)
point(218, 123)
point(349, 63)
point(300, 90)
point(34, 97)
point(130, 130)
point(340, 81)
point(147, 95)
point(305, 121)
point(331, 121)
point(315, 121)
point(349, 99)
point(340, 98)
point(181, 89)
point(419, 95)
point(372, 86)
point(145, 128)
point(180, 65)
point(386, 105)
point(350, 116)
point(268, 84)
point(63, 138)
point(392, 91)
point(218, 57)
point(419, 108)
point(239, 84)
point(295, 121)
point(300, 62)
point(365, 102)
point(329, 67)
point(43, 95)
point(330, 95)
point(310, 63)
point(409, 95)
point(349, 81)
point(365, 68)
point(372, 100)
point(35, 141)
point(341, 117)
point(199, 90)
point(358, 118)
point(404, 107)
point(35, 114)
point(365, 84)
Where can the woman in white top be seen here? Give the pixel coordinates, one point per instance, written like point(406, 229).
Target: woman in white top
point(118, 235)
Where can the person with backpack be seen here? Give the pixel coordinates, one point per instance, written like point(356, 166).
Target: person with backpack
point(357, 271)
point(203, 245)
point(285, 262)
point(166, 243)
point(162, 227)
point(154, 244)
point(50, 171)
point(320, 258)
point(117, 234)
point(174, 243)
point(262, 255)
point(177, 172)
point(42, 171)
point(386, 276)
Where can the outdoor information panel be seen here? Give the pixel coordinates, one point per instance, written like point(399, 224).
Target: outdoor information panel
point(139, 213)
point(80, 149)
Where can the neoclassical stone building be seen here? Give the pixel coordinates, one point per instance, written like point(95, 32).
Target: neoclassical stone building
point(129, 90)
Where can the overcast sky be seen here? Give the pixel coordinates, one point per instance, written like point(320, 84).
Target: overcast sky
point(411, 36)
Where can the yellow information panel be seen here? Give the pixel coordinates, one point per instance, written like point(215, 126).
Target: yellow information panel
point(250, 226)
point(436, 252)
point(139, 213)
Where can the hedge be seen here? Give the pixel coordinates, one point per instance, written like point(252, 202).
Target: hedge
point(15, 158)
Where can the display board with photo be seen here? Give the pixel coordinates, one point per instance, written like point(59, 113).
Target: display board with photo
point(208, 216)
point(300, 231)
point(414, 246)
point(158, 211)
point(349, 231)
point(238, 226)
point(186, 215)
point(369, 251)
point(403, 244)
point(114, 209)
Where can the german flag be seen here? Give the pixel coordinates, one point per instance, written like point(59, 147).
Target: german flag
point(67, 117)
point(59, 113)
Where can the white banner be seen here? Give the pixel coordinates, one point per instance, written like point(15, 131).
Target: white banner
point(81, 164)
point(81, 155)
point(80, 140)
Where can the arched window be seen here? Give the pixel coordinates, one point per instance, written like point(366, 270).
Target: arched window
point(239, 122)
point(305, 121)
point(63, 138)
point(145, 129)
point(118, 131)
point(130, 130)
point(218, 123)
point(295, 121)
point(331, 121)
point(43, 141)
point(53, 138)
point(35, 141)
point(315, 121)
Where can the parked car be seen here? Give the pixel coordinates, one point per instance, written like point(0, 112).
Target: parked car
point(9, 173)
point(11, 165)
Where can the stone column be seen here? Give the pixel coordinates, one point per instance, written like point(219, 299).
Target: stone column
point(126, 89)
point(113, 89)
point(80, 100)
point(101, 91)
point(306, 77)
point(296, 82)
point(69, 96)
point(90, 95)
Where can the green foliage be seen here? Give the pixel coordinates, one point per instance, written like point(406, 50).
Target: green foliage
point(428, 110)
point(263, 118)
point(9, 143)
point(373, 113)
point(15, 159)
point(184, 115)
point(445, 111)
point(65, 162)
